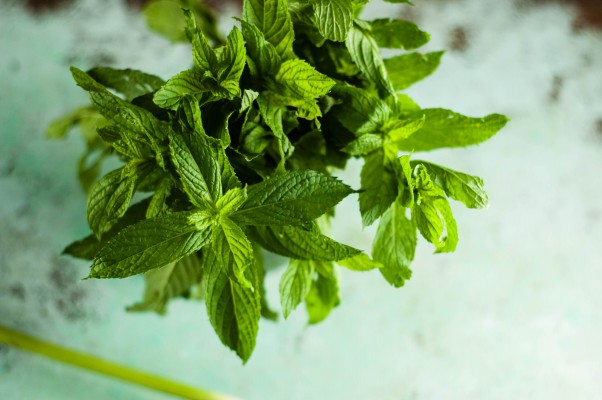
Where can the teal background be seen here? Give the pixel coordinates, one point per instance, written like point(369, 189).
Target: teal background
point(514, 313)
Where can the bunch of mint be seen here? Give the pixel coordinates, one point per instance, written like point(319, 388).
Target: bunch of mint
point(236, 155)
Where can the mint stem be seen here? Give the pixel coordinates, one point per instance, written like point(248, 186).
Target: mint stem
point(81, 360)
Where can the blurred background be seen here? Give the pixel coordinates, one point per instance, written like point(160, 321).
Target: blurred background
point(515, 313)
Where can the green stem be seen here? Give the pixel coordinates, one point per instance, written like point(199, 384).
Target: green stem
point(81, 360)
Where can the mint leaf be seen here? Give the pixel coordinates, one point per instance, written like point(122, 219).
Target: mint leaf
point(168, 282)
point(231, 201)
point(232, 250)
point(300, 243)
point(151, 243)
point(407, 69)
point(110, 198)
point(359, 262)
point(263, 59)
point(129, 82)
point(297, 79)
point(292, 198)
point(234, 310)
point(273, 19)
point(394, 245)
point(398, 34)
point(266, 311)
point(459, 186)
point(365, 54)
point(397, 130)
point(59, 128)
point(333, 18)
point(445, 128)
point(295, 285)
point(364, 144)
point(186, 83)
point(379, 187)
point(432, 215)
point(322, 297)
point(248, 97)
point(406, 182)
point(157, 203)
point(359, 111)
point(199, 171)
point(232, 63)
point(272, 112)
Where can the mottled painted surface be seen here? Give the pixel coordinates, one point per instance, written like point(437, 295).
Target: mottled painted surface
point(515, 313)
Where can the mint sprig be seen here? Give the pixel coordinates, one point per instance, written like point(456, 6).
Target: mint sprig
point(236, 154)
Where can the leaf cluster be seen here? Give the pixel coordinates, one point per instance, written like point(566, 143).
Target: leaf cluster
point(235, 155)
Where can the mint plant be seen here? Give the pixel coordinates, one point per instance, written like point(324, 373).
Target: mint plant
point(235, 156)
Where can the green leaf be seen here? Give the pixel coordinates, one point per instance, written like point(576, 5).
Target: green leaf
point(140, 124)
point(152, 243)
point(186, 83)
point(398, 34)
point(272, 112)
point(234, 310)
point(400, 1)
point(397, 130)
point(59, 128)
point(322, 298)
point(231, 201)
point(292, 198)
point(168, 282)
point(273, 19)
point(406, 182)
point(110, 198)
point(233, 250)
point(466, 188)
point(360, 262)
point(366, 55)
point(156, 206)
point(297, 79)
point(262, 58)
point(379, 187)
point(333, 18)
point(360, 111)
point(248, 97)
point(394, 245)
point(445, 128)
point(129, 82)
point(232, 63)
point(432, 216)
point(266, 311)
point(295, 285)
point(407, 69)
point(364, 144)
point(199, 171)
point(299, 243)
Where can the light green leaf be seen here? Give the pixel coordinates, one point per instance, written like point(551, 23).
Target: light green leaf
point(273, 19)
point(232, 63)
point(231, 201)
point(233, 250)
point(152, 243)
point(138, 122)
point(129, 82)
point(445, 128)
point(333, 18)
point(397, 130)
point(156, 206)
point(199, 171)
point(299, 243)
point(406, 182)
point(379, 187)
point(394, 245)
point(272, 111)
point(59, 128)
point(234, 310)
point(186, 83)
point(297, 79)
point(110, 198)
point(364, 144)
point(292, 198)
point(398, 34)
point(168, 282)
point(248, 97)
point(466, 188)
point(322, 298)
point(366, 55)
point(360, 262)
point(295, 285)
point(262, 58)
point(360, 111)
point(432, 215)
point(407, 69)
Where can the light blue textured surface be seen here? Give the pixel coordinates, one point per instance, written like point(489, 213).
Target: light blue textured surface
point(514, 314)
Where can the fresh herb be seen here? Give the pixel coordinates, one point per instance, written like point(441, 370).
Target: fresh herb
point(236, 154)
